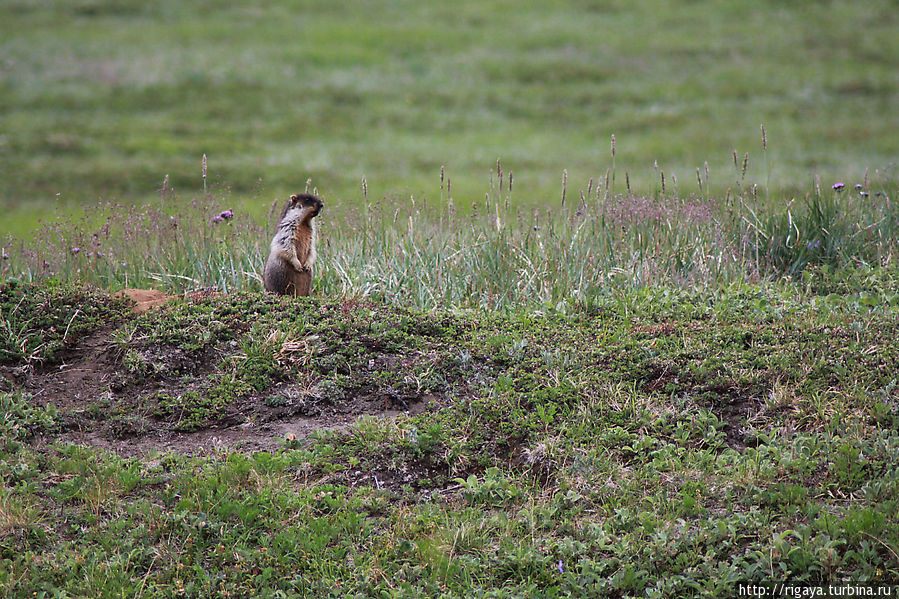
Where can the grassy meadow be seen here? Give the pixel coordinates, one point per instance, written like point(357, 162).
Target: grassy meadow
point(101, 100)
point(605, 302)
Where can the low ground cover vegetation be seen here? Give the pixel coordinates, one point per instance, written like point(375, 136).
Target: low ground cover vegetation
point(661, 442)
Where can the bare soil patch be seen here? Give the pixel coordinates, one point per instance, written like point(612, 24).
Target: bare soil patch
point(144, 299)
point(101, 405)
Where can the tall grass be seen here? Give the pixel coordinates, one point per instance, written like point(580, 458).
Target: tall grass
point(840, 226)
point(495, 254)
point(169, 245)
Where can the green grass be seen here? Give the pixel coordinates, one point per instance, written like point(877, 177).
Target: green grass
point(651, 372)
point(668, 444)
point(503, 255)
point(633, 396)
point(37, 324)
point(102, 100)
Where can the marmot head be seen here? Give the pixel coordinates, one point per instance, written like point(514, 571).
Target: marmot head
point(306, 200)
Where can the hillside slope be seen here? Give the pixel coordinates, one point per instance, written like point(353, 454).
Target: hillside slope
point(662, 443)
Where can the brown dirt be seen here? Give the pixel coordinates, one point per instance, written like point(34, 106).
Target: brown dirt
point(144, 299)
point(735, 411)
point(100, 406)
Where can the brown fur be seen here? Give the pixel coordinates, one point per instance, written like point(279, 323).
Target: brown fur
point(288, 270)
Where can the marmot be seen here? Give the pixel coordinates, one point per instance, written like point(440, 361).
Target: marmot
point(288, 270)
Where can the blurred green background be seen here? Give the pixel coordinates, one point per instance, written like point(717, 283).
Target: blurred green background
point(100, 100)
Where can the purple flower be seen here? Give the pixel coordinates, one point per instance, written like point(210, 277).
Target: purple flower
point(46, 264)
point(858, 186)
point(217, 219)
point(561, 567)
point(75, 250)
point(5, 256)
point(226, 215)
point(839, 186)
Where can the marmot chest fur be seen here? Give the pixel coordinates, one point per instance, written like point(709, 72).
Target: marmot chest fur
point(288, 270)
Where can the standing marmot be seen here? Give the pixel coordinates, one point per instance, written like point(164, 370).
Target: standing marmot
point(288, 270)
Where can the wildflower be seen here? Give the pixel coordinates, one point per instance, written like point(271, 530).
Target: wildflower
point(226, 215)
point(838, 186)
point(76, 249)
point(46, 264)
point(858, 186)
point(5, 255)
point(561, 567)
point(217, 219)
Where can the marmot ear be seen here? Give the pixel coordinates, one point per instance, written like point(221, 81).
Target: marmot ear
point(294, 197)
